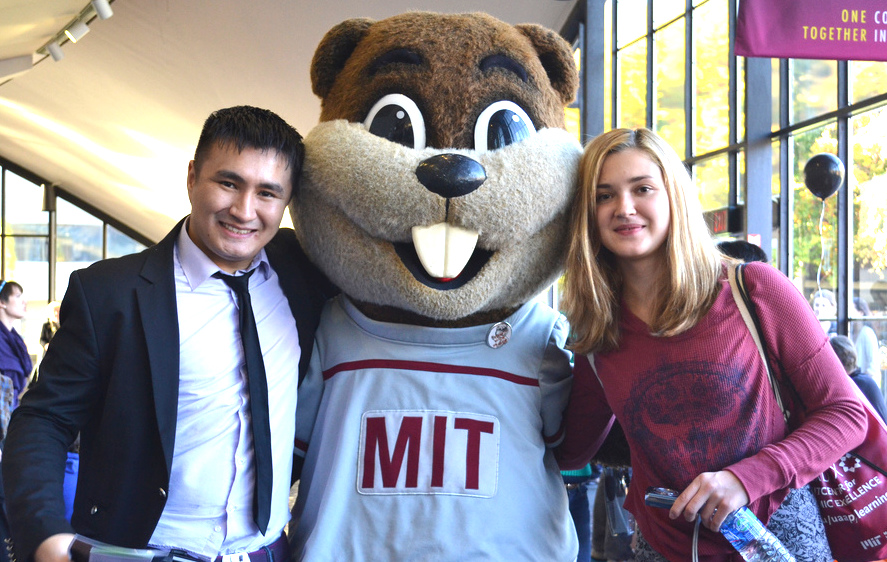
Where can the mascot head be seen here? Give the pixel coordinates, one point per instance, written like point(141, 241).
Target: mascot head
point(436, 186)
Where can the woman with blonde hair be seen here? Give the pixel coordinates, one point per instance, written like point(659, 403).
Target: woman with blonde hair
point(662, 346)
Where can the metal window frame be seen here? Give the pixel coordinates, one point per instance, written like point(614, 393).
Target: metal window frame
point(51, 192)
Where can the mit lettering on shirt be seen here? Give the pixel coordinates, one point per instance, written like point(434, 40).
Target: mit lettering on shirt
point(428, 452)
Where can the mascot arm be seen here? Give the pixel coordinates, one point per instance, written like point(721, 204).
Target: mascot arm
point(588, 418)
point(309, 396)
point(555, 381)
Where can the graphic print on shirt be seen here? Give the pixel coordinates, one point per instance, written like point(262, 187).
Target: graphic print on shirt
point(678, 411)
point(428, 452)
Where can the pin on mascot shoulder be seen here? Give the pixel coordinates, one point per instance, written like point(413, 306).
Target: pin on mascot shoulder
point(434, 194)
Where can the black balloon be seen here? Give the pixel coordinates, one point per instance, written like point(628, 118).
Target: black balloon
point(824, 175)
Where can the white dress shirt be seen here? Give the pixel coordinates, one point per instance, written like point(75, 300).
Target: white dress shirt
point(209, 508)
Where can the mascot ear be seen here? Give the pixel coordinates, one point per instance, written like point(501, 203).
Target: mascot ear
point(557, 59)
point(334, 50)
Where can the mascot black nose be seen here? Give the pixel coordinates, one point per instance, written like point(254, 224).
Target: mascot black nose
point(451, 175)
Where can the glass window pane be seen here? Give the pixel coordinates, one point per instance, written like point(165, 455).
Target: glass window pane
point(78, 242)
point(27, 264)
point(776, 184)
point(608, 66)
point(120, 244)
point(24, 206)
point(572, 115)
point(869, 236)
point(670, 54)
point(814, 228)
point(666, 10)
point(711, 32)
point(774, 96)
point(571, 123)
point(631, 20)
point(869, 334)
point(814, 88)
point(740, 99)
point(867, 79)
point(712, 180)
point(633, 85)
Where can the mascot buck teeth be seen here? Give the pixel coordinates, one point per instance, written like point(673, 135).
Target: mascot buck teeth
point(434, 194)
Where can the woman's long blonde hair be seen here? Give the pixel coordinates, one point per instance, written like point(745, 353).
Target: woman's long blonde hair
point(593, 282)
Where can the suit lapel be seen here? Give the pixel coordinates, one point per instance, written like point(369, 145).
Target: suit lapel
point(157, 310)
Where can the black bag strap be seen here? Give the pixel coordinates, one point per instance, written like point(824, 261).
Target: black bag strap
point(749, 314)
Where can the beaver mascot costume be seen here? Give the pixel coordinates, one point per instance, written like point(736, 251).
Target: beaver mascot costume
point(434, 194)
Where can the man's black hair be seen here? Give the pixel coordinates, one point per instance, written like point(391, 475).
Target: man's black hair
point(245, 126)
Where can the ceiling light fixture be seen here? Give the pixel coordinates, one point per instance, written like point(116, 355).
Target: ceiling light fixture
point(102, 9)
point(76, 31)
point(77, 28)
point(55, 51)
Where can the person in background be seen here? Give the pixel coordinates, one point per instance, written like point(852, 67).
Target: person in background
point(846, 352)
point(581, 487)
point(868, 352)
point(661, 343)
point(149, 366)
point(826, 308)
point(15, 361)
point(15, 368)
point(743, 251)
point(51, 325)
point(613, 530)
point(47, 331)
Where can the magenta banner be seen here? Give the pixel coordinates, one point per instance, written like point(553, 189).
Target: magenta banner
point(812, 29)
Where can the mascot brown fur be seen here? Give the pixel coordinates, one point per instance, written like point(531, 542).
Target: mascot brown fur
point(362, 195)
point(434, 194)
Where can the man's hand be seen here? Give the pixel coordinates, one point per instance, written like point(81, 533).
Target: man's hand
point(54, 549)
point(711, 495)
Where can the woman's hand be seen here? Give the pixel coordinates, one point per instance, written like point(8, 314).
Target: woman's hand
point(711, 495)
point(54, 549)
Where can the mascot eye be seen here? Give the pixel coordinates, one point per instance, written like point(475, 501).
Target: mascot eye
point(397, 118)
point(501, 124)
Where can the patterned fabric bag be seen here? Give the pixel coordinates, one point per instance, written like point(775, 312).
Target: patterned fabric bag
point(7, 394)
point(852, 493)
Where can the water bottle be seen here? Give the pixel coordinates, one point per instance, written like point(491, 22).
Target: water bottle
point(742, 528)
point(753, 541)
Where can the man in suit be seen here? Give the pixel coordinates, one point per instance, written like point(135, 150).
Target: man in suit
point(148, 366)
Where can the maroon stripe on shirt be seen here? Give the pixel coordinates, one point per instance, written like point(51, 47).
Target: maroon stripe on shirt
point(428, 367)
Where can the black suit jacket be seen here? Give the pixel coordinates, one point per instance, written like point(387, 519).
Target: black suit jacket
point(111, 373)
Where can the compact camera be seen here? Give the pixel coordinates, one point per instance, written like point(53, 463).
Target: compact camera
point(660, 497)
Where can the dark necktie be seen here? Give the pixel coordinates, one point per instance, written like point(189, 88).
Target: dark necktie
point(258, 397)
